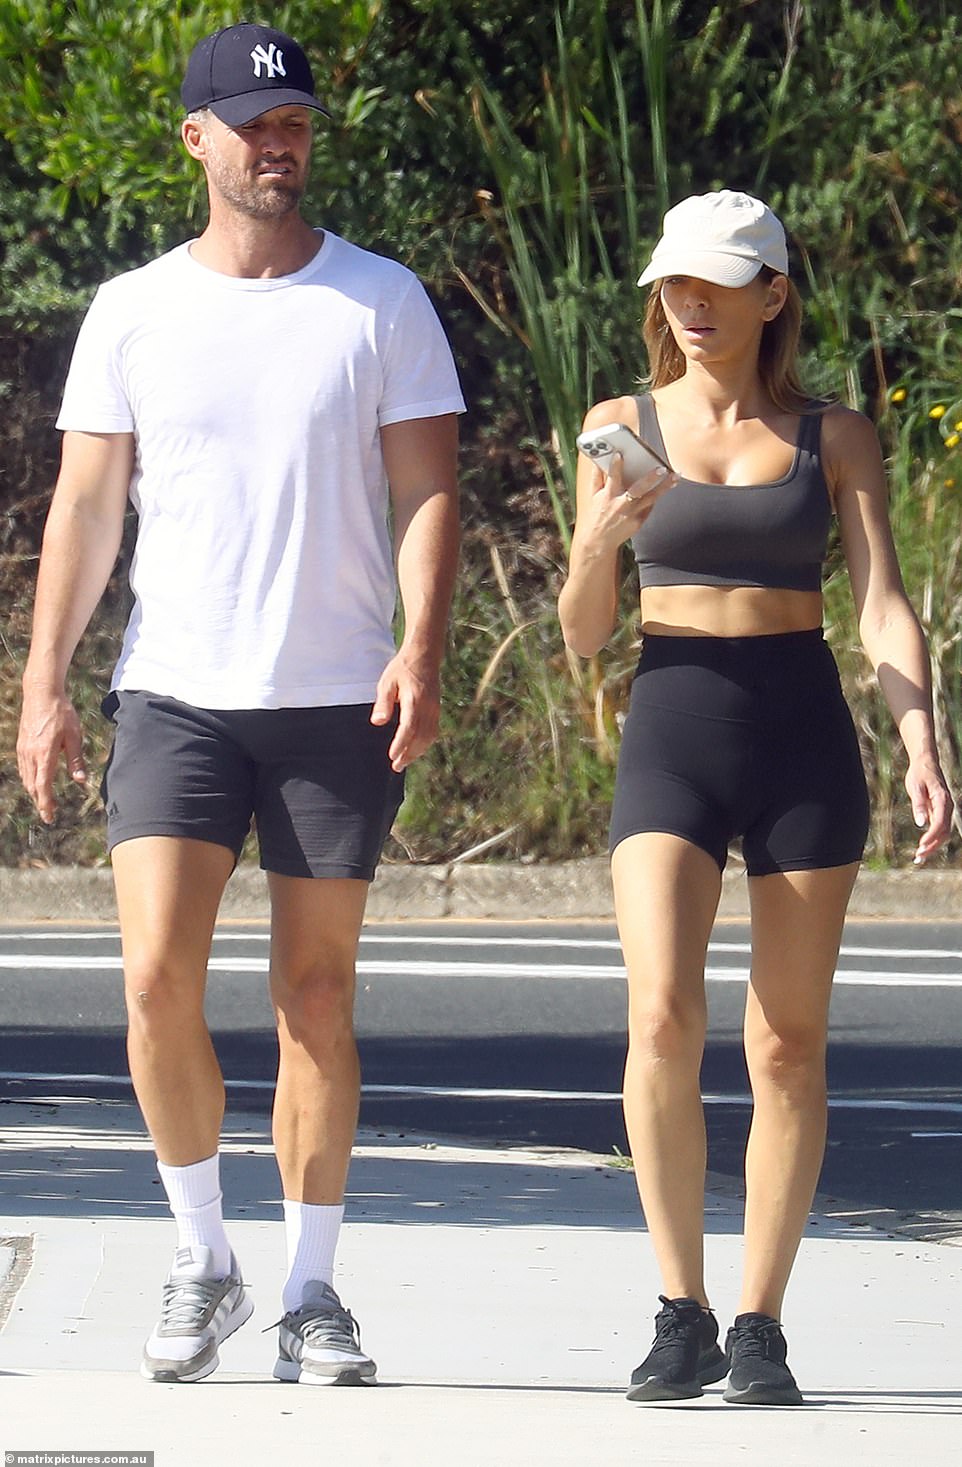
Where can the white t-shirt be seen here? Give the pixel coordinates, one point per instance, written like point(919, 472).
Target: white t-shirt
point(263, 572)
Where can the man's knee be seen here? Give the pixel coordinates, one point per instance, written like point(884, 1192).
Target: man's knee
point(160, 993)
point(315, 1005)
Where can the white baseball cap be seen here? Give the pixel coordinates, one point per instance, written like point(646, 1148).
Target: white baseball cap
point(724, 237)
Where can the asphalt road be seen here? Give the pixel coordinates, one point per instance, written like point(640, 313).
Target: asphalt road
point(516, 1033)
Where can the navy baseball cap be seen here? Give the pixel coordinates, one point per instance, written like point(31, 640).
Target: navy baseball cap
point(244, 70)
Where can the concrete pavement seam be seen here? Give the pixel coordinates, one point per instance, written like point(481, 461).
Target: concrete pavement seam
point(20, 1251)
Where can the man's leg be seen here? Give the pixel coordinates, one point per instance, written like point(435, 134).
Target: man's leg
point(168, 893)
point(315, 927)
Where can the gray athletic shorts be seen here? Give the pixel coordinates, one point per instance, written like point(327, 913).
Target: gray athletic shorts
point(316, 781)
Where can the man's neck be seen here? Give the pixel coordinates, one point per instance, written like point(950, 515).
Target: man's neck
point(257, 249)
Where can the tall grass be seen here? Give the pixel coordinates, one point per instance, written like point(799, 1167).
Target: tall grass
point(846, 116)
point(515, 768)
point(569, 220)
point(580, 189)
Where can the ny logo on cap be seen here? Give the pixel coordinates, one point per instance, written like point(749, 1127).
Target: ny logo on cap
point(272, 60)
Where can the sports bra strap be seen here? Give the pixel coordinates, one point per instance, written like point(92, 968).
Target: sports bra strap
point(810, 433)
point(648, 423)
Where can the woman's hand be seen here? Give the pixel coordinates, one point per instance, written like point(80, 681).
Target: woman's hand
point(609, 513)
point(614, 512)
point(931, 806)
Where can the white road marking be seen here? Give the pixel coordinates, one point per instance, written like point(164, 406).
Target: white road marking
point(605, 944)
point(439, 969)
point(436, 939)
point(469, 1092)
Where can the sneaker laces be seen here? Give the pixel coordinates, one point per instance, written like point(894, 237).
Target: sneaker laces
point(756, 1340)
point(186, 1301)
point(672, 1321)
point(320, 1324)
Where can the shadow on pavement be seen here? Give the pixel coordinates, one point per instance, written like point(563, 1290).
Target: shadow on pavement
point(882, 1152)
point(70, 1155)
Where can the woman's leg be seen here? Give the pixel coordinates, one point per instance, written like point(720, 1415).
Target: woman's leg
point(797, 920)
point(666, 895)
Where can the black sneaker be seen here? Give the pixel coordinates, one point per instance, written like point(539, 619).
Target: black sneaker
point(756, 1353)
point(684, 1357)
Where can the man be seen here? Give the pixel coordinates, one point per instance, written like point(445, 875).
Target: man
point(263, 395)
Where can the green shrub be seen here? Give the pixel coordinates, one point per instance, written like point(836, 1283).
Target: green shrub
point(521, 162)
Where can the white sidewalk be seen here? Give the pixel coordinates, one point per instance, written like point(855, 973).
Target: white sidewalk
point(505, 1294)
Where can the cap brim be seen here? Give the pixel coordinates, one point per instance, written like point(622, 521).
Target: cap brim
point(729, 270)
point(238, 111)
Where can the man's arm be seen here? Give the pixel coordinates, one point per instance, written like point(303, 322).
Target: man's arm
point(420, 457)
point(80, 545)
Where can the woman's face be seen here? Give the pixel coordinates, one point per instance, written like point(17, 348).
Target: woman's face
point(716, 323)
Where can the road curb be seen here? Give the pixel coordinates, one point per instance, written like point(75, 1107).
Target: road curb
point(507, 892)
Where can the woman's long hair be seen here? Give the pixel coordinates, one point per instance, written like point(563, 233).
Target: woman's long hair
point(777, 354)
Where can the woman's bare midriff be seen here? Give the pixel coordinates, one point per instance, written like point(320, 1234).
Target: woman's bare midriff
point(727, 611)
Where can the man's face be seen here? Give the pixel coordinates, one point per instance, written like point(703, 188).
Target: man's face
point(259, 169)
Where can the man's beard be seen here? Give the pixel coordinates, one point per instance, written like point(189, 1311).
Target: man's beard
point(256, 200)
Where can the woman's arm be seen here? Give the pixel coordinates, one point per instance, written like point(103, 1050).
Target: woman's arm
point(888, 626)
point(607, 516)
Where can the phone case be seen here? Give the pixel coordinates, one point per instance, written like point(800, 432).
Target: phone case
point(601, 444)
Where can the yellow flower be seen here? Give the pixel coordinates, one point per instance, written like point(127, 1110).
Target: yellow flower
point(949, 483)
point(898, 394)
point(938, 411)
point(953, 439)
point(957, 427)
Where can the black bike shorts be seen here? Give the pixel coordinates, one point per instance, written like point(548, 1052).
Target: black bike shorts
point(317, 781)
point(746, 738)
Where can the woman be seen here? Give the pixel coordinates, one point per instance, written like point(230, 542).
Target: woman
point(737, 730)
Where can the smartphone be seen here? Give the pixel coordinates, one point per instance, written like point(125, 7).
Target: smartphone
point(638, 457)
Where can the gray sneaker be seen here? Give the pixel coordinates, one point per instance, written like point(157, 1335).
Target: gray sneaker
point(197, 1314)
point(320, 1343)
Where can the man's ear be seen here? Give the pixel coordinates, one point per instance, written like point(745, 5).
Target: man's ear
point(194, 137)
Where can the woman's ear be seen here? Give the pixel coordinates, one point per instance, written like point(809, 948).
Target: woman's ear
point(776, 297)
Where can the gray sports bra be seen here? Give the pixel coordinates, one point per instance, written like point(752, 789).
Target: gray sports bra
point(772, 535)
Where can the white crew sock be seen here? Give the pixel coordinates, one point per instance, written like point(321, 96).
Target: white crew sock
point(312, 1230)
point(197, 1204)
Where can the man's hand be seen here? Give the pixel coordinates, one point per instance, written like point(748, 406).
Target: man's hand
point(80, 544)
point(414, 690)
point(49, 726)
point(420, 457)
